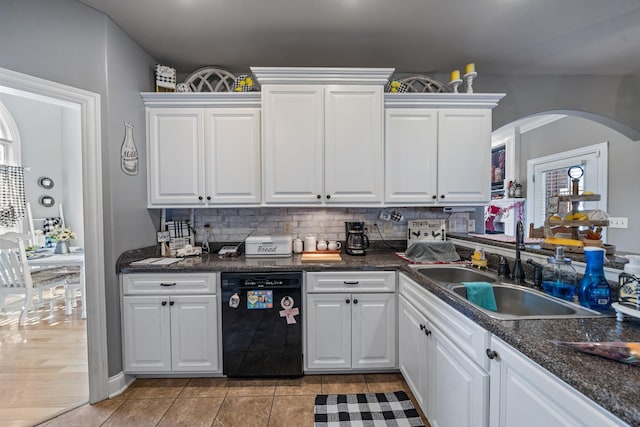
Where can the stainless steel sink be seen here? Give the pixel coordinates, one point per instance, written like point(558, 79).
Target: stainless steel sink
point(517, 302)
point(455, 274)
point(513, 301)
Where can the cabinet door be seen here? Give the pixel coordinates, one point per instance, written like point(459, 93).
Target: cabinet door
point(293, 143)
point(328, 331)
point(459, 389)
point(194, 334)
point(373, 331)
point(525, 394)
point(353, 144)
point(232, 149)
point(464, 156)
point(411, 155)
point(146, 334)
point(413, 353)
point(176, 156)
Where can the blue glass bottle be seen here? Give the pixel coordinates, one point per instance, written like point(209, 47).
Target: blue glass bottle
point(594, 292)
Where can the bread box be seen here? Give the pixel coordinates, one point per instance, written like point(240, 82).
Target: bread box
point(268, 246)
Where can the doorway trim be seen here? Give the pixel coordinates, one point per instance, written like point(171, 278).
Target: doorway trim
point(89, 105)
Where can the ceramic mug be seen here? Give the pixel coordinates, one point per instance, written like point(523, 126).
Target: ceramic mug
point(334, 246)
point(322, 245)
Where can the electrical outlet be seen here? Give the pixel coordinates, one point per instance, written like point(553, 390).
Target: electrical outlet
point(386, 227)
point(287, 228)
point(618, 222)
point(471, 225)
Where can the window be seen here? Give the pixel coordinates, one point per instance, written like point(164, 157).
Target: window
point(9, 140)
point(9, 150)
point(548, 177)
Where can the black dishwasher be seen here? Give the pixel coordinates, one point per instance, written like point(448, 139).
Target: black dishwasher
point(262, 324)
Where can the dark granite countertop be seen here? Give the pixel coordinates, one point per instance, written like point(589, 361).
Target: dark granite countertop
point(613, 385)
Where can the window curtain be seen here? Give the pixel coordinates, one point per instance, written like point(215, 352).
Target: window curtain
point(12, 197)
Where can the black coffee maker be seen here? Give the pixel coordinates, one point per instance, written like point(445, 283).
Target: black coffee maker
point(356, 238)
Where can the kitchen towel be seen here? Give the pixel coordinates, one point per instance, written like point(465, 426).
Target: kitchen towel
point(432, 251)
point(370, 409)
point(481, 293)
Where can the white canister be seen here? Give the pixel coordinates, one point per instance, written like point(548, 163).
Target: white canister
point(322, 245)
point(297, 246)
point(310, 243)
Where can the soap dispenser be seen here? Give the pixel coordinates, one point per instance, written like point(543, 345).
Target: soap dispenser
point(559, 278)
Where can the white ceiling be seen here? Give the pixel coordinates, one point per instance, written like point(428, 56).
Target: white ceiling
point(414, 36)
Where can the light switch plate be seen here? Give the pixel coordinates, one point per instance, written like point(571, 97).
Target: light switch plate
point(471, 225)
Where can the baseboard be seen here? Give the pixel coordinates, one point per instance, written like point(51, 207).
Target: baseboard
point(119, 383)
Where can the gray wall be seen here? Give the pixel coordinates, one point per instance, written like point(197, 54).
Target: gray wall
point(66, 42)
point(623, 196)
point(50, 146)
point(69, 43)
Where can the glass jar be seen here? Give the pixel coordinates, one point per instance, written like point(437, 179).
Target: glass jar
point(559, 278)
point(594, 292)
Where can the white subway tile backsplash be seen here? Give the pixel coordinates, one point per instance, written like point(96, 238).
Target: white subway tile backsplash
point(233, 225)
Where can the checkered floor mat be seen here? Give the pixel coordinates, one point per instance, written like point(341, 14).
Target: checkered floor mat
point(366, 410)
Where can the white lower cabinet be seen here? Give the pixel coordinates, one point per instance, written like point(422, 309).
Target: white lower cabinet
point(449, 386)
point(525, 394)
point(347, 329)
point(168, 332)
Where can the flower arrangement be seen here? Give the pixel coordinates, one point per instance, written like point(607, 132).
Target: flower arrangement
point(60, 234)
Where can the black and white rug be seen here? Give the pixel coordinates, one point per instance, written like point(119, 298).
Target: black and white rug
point(365, 410)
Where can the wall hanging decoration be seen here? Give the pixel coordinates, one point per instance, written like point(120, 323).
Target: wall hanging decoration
point(47, 201)
point(129, 152)
point(45, 182)
point(422, 84)
point(211, 79)
point(165, 78)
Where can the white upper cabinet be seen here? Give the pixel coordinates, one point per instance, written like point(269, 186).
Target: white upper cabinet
point(293, 143)
point(176, 157)
point(411, 155)
point(232, 154)
point(203, 149)
point(464, 155)
point(323, 135)
point(437, 148)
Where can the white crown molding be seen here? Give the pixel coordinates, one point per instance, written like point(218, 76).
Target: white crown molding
point(442, 100)
point(321, 75)
point(202, 99)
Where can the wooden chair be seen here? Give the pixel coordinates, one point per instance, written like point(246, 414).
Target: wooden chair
point(16, 277)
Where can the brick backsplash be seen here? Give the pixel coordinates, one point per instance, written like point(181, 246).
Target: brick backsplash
point(233, 225)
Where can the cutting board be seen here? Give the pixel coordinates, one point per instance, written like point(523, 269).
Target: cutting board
point(321, 256)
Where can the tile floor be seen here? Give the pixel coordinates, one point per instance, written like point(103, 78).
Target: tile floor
point(223, 402)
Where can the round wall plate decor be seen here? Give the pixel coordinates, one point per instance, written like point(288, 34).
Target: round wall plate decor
point(47, 201)
point(45, 182)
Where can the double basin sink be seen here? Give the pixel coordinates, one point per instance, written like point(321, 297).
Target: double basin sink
point(513, 301)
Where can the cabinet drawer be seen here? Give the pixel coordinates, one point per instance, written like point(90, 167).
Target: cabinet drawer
point(352, 281)
point(471, 338)
point(168, 283)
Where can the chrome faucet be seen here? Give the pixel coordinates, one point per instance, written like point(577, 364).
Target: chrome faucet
point(518, 270)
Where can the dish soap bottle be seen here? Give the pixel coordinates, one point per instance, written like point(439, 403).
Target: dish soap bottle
point(595, 292)
point(559, 278)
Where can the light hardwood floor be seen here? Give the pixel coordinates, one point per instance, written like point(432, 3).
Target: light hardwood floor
point(43, 365)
